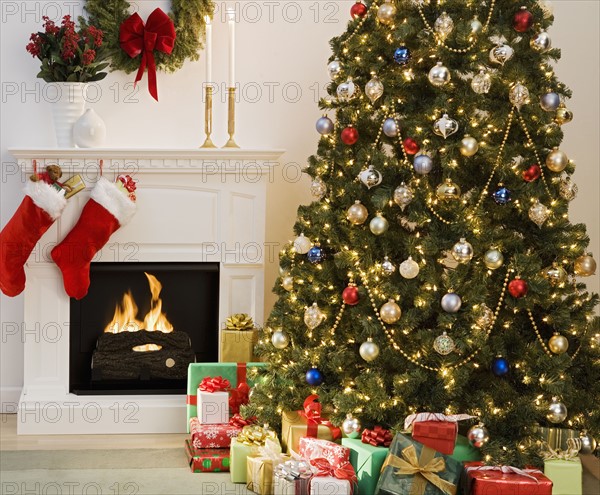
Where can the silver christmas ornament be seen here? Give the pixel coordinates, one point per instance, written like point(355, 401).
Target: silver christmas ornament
point(541, 42)
point(351, 426)
point(451, 302)
point(409, 268)
point(388, 267)
point(370, 177)
point(468, 146)
point(448, 190)
point(318, 188)
point(538, 213)
point(443, 344)
point(558, 343)
point(403, 195)
point(386, 12)
point(445, 126)
point(550, 102)
point(585, 266)
point(557, 161)
point(369, 350)
point(334, 68)
point(443, 25)
point(519, 96)
point(485, 317)
point(462, 251)
point(378, 225)
point(493, 259)
point(478, 435)
point(390, 128)
point(439, 75)
point(557, 411)
point(302, 244)
point(313, 316)
point(588, 443)
point(357, 214)
point(287, 282)
point(346, 90)
point(567, 189)
point(325, 125)
point(501, 54)
point(390, 312)
point(280, 339)
point(481, 83)
point(374, 89)
point(476, 26)
point(422, 163)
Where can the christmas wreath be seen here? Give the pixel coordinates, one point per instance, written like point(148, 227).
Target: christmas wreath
point(188, 19)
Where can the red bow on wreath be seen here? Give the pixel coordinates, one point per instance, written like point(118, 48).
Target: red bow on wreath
point(157, 34)
point(216, 384)
point(377, 437)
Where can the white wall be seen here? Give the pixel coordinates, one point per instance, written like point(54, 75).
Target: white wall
point(282, 51)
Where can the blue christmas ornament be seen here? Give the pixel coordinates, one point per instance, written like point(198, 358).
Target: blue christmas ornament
point(501, 196)
point(315, 254)
point(500, 366)
point(402, 55)
point(314, 377)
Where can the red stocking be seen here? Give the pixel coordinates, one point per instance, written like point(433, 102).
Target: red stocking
point(41, 206)
point(107, 209)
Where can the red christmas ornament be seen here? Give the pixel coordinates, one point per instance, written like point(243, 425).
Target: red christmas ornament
point(411, 146)
point(358, 10)
point(349, 135)
point(350, 295)
point(532, 173)
point(518, 288)
point(522, 20)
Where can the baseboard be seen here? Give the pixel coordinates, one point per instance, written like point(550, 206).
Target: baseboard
point(9, 399)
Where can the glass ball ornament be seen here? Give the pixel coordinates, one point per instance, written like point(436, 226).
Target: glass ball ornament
point(563, 115)
point(314, 377)
point(379, 225)
point(280, 339)
point(402, 55)
point(555, 274)
point(501, 195)
point(568, 189)
point(445, 126)
point(369, 350)
point(318, 189)
point(403, 196)
point(390, 312)
point(550, 102)
point(585, 266)
point(557, 160)
point(315, 254)
point(357, 214)
point(388, 267)
point(423, 163)
point(390, 128)
point(541, 42)
point(346, 90)
point(588, 443)
point(334, 68)
point(518, 288)
point(522, 20)
point(493, 259)
point(538, 213)
point(462, 251)
point(476, 26)
point(358, 10)
point(500, 366)
point(349, 135)
point(302, 244)
point(468, 146)
point(386, 12)
point(409, 268)
point(410, 146)
point(351, 426)
point(485, 317)
point(444, 344)
point(448, 190)
point(439, 75)
point(501, 54)
point(557, 411)
point(287, 282)
point(534, 172)
point(350, 295)
point(478, 435)
point(558, 344)
point(313, 316)
point(451, 302)
point(519, 96)
point(443, 25)
point(374, 89)
point(370, 177)
point(481, 83)
point(325, 126)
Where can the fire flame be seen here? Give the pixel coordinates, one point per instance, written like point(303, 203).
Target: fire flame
point(125, 317)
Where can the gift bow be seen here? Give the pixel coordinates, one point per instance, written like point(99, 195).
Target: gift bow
point(255, 435)
point(506, 470)
point(238, 421)
point(214, 384)
point(294, 469)
point(573, 447)
point(238, 397)
point(342, 472)
point(136, 38)
point(426, 466)
point(377, 437)
point(425, 416)
point(239, 321)
point(128, 182)
point(312, 412)
point(271, 450)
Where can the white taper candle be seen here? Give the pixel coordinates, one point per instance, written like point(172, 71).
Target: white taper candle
point(208, 50)
point(231, 21)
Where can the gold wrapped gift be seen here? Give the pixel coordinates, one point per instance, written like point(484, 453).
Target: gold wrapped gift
point(259, 475)
point(295, 425)
point(238, 339)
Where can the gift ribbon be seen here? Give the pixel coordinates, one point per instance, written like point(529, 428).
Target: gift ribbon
point(136, 38)
point(240, 321)
point(255, 435)
point(312, 413)
point(128, 182)
point(192, 400)
point(424, 469)
point(573, 447)
point(238, 397)
point(343, 472)
point(377, 437)
point(425, 416)
point(506, 470)
point(214, 384)
point(294, 469)
point(239, 422)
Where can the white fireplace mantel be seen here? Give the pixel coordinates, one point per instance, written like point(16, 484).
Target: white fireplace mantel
point(194, 205)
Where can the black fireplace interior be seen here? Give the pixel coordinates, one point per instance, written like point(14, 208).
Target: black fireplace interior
point(102, 363)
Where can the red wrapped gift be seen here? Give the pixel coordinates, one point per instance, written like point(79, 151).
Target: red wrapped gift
point(313, 448)
point(505, 480)
point(212, 436)
point(435, 430)
point(207, 460)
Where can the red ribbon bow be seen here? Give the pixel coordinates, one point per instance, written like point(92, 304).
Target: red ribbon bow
point(135, 39)
point(238, 397)
point(343, 472)
point(128, 182)
point(377, 437)
point(216, 384)
point(238, 421)
point(312, 412)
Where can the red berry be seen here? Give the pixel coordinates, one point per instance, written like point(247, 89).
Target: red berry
point(350, 295)
point(411, 146)
point(349, 135)
point(532, 173)
point(358, 10)
point(522, 20)
point(518, 288)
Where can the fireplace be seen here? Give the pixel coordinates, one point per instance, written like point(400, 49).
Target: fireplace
point(140, 325)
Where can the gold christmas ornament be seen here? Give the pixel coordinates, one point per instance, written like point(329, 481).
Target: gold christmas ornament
point(386, 12)
point(558, 343)
point(567, 189)
point(519, 96)
point(390, 312)
point(493, 259)
point(585, 266)
point(403, 196)
point(468, 146)
point(378, 224)
point(448, 190)
point(563, 115)
point(287, 283)
point(556, 274)
point(239, 321)
point(357, 214)
point(538, 213)
point(557, 161)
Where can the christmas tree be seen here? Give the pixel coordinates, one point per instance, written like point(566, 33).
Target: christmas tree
point(437, 269)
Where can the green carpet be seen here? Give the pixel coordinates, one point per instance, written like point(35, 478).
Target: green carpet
point(110, 472)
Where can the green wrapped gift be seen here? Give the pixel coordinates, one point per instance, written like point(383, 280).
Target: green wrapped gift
point(366, 461)
point(411, 468)
point(566, 476)
point(236, 373)
point(464, 451)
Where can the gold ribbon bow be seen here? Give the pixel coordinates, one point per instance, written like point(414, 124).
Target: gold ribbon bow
point(573, 447)
point(239, 321)
point(255, 436)
point(424, 469)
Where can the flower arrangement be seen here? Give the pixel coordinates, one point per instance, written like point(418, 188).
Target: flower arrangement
point(68, 54)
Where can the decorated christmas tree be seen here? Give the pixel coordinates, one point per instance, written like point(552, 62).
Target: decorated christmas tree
point(437, 269)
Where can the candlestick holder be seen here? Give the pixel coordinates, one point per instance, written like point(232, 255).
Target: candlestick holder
point(231, 119)
point(208, 104)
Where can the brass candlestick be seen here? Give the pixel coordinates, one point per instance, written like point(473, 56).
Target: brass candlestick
point(208, 100)
point(231, 119)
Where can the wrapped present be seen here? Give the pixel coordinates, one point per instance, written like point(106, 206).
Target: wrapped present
point(238, 339)
point(435, 430)
point(412, 468)
point(259, 467)
point(556, 438)
point(464, 451)
point(306, 423)
point(311, 448)
point(236, 373)
point(330, 479)
point(206, 460)
point(564, 469)
point(377, 437)
point(213, 401)
point(366, 459)
point(212, 436)
point(245, 444)
point(504, 480)
point(292, 477)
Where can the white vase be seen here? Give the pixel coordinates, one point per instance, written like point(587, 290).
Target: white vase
point(89, 131)
point(68, 104)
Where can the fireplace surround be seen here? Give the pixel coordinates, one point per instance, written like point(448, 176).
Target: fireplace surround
point(194, 206)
